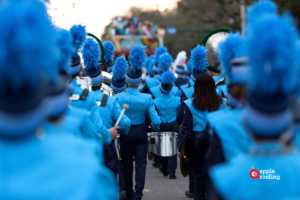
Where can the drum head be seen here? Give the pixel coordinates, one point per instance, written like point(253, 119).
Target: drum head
point(211, 43)
point(185, 159)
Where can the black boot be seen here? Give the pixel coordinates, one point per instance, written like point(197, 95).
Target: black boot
point(165, 173)
point(172, 176)
point(150, 156)
point(156, 165)
point(189, 194)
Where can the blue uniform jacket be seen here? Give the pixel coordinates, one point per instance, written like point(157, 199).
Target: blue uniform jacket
point(78, 122)
point(194, 120)
point(233, 136)
point(192, 82)
point(217, 78)
point(111, 112)
point(152, 82)
point(280, 183)
point(167, 106)
point(138, 104)
point(90, 105)
point(56, 166)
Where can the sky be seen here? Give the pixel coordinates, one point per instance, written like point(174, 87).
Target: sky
point(96, 14)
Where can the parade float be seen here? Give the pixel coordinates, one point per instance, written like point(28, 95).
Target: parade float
point(125, 33)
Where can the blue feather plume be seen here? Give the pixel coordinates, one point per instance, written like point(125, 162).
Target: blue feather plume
point(159, 51)
point(91, 54)
point(150, 67)
point(64, 42)
point(272, 50)
point(165, 61)
point(137, 58)
point(199, 58)
point(79, 36)
point(147, 64)
point(231, 48)
point(168, 78)
point(28, 45)
point(109, 50)
point(120, 68)
point(189, 67)
point(261, 8)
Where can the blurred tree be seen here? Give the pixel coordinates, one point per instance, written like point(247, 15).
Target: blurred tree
point(194, 19)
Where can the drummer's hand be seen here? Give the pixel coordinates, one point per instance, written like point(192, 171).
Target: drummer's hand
point(179, 155)
point(114, 132)
point(151, 127)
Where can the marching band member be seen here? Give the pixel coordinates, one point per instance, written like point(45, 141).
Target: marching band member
point(67, 166)
point(229, 137)
point(137, 138)
point(153, 82)
point(179, 70)
point(268, 116)
point(110, 110)
point(167, 106)
point(85, 99)
point(91, 56)
point(165, 61)
point(204, 100)
point(199, 67)
point(76, 121)
point(109, 50)
point(118, 84)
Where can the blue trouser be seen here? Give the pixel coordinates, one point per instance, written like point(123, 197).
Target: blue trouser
point(111, 156)
point(136, 141)
point(156, 158)
point(169, 163)
point(191, 181)
point(121, 177)
point(199, 147)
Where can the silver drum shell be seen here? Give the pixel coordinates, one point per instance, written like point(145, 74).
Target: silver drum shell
point(118, 146)
point(164, 143)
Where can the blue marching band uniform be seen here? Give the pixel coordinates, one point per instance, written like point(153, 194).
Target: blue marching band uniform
point(57, 135)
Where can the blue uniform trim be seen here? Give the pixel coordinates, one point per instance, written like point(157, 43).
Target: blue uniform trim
point(156, 92)
point(56, 105)
point(110, 69)
point(75, 70)
point(98, 79)
point(20, 125)
point(268, 125)
point(164, 91)
point(118, 89)
point(179, 71)
point(156, 69)
point(134, 81)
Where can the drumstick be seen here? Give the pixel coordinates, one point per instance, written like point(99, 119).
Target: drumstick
point(125, 107)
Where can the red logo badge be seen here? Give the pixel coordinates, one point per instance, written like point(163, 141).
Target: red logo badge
point(254, 173)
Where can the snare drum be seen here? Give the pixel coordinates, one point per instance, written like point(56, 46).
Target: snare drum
point(164, 143)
